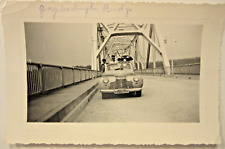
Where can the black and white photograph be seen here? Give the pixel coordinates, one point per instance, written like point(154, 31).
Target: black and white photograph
point(113, 72)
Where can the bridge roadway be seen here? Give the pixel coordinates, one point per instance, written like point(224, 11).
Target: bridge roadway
point(164, 99)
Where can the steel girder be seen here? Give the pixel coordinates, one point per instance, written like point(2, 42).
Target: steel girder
point(117, 30)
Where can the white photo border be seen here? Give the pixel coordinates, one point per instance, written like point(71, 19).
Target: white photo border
point(205, 132)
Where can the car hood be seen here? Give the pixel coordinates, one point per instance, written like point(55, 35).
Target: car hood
point(119, 73)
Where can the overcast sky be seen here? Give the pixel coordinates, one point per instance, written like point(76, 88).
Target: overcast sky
point(58, 43)
point(71, 44)
point(183, 41)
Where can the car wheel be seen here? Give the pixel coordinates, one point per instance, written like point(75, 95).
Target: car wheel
point(104, 95)
point(138, 93)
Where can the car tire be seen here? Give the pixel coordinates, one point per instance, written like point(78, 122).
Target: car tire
point(104, 95)
point(138, 93)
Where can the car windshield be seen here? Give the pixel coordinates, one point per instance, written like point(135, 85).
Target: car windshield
point(119, 66)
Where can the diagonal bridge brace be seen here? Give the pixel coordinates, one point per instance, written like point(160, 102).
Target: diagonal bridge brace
point(124, 33)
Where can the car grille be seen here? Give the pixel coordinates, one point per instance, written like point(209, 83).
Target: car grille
point(121, 83)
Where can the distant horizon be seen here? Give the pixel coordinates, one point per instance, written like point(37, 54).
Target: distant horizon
point(70, 44)
point(90, 64)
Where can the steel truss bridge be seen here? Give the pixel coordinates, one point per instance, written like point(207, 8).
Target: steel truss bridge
point(60, 93)
point(128, 39)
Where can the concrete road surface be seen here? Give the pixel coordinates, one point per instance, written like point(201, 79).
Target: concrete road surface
point(164, 99)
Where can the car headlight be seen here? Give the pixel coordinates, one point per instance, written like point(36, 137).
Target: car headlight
point(136, 79)
point(106, 80)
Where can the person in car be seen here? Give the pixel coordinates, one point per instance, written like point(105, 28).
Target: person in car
point(113, 59)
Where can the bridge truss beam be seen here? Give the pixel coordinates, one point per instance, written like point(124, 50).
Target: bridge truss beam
point(138, 31)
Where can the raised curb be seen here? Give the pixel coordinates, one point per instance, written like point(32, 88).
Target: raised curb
point(78, 109)
point(58, 114)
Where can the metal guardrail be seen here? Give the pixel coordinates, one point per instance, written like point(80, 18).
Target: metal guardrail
point(44, 77)
point(189, 69)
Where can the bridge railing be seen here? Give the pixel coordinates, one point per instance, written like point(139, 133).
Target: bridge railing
point(188, 69)
point(44, 77)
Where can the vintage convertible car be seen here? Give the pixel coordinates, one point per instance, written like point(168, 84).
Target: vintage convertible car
point(119, 78)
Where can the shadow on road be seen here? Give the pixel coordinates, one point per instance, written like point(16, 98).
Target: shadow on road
point(119, 96)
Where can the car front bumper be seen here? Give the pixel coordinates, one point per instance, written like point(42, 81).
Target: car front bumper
point(113, 90)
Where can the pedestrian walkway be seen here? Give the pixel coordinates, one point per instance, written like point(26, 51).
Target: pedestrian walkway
point(58, 103)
